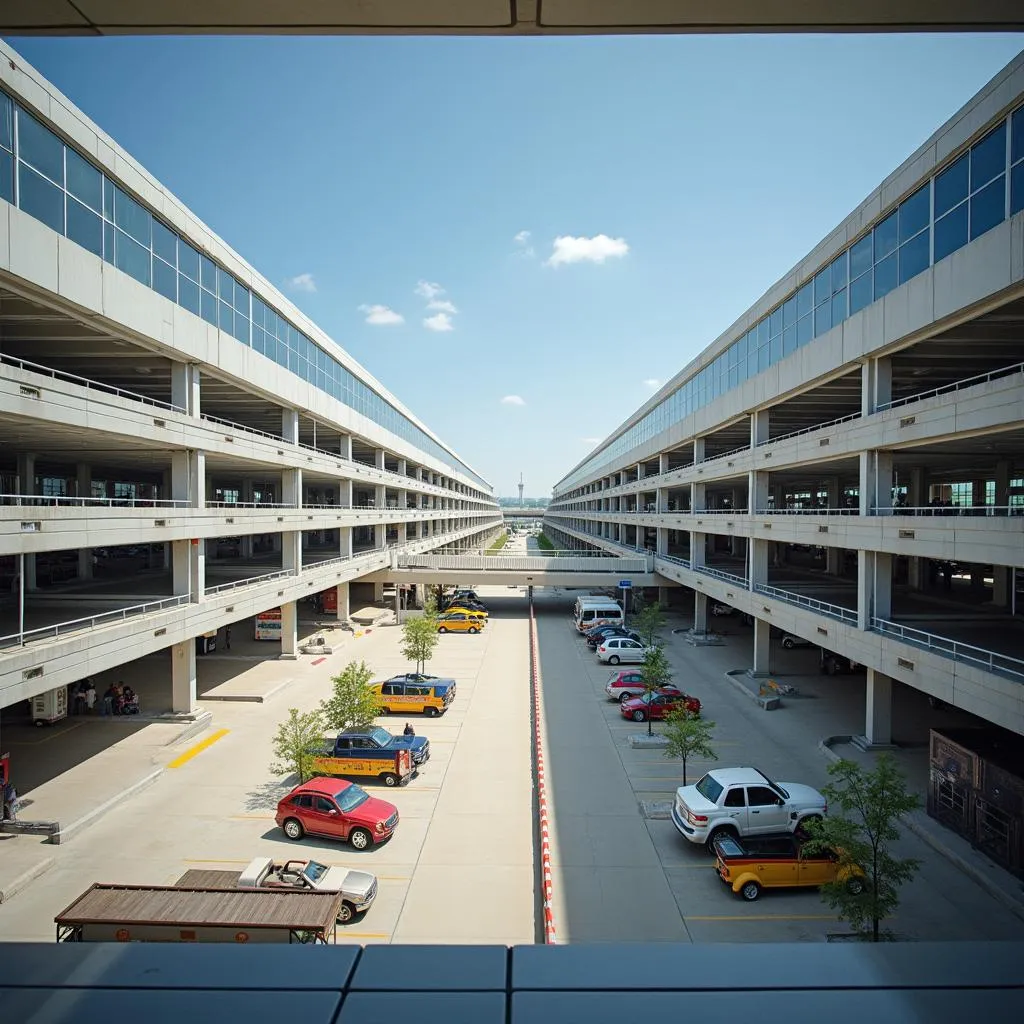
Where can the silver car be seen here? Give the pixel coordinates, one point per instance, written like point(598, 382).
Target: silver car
point(621, 649)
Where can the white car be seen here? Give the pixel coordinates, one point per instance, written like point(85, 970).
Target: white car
point(618, 649)
point(742, 802)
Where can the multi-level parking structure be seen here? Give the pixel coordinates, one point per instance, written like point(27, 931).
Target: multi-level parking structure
point(846, 462)
point(180, 448)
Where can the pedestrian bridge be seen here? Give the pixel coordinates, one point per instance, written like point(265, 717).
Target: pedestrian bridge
point(550, 569)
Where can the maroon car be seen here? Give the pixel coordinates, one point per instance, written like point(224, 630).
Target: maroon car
point(658, 705)
point(336, 809)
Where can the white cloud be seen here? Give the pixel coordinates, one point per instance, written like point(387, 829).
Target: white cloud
point(443, 305)
point(438, 322)
point(381, 316)
point(301, 283)
point(513, 400)
point(653, 383)
point(428, 290)
point(568, 249)
point(522, 243)
point(521, 238)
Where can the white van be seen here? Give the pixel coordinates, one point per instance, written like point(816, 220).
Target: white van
point(598, 612)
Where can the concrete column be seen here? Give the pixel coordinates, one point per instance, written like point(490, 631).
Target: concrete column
point(762, 663)
point(662, 463)
point(185, 387)
point(342, 602)
point(878, 717)
point(289, 630)
point(26, 474)
point(757, 562)
point(662, 545)
point(1002, 580)
point(291, 551)
point(834, 561)
point(698, 496)
point(403, 467)
point(291, 487)
point(700, 613)
point(1002, 481)
point(915, 572)
point(759, 423)
point(403, 498)
point(378, 593)
point(345, 447)
point(290, 425)
point(698, 450)
point(698, 548)
point(183, 676)
point(876, 384)
point(85, 563)
point(875, 482)
point(345, 493)
point(379, 536)
point(188, 477)
point(663, 597)
point(245, 546)
point(978, 493)
point(83, 481)
point(418, 473)
point(380, 496)
point(345, 541)
point(378, 458)
point(917, 488)
point(874, 587)
point(757, 491)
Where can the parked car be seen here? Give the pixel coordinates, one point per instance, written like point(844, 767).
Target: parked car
point(460, 622)
point(430, 697)
point(595, 641)
point(722, 610)
point(464, 608)
point(835, 664)
point(742, 802)
point(336, 809)
point(617, 649)
point(626, 683)
point(771, 862)
point(657, 706)
point(789, 641)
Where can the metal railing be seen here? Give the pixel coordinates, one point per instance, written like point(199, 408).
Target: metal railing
point(53, 501)
point(714, 512)
point(676, 560)
point(235, 584)
point(248, 504)
point(91, 622)
point(86, 382)
point(991, 661)
point(835, 611)
point(721, 574)
point(276, 438)
point(844, 511)
point(811, 429)
point(720, 455)
point(948, 510)
point(959, 385)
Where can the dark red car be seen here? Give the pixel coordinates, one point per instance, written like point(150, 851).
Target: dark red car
point(336, 810)
point(658, 705)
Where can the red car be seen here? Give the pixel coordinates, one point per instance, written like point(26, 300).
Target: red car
point(337, 810)
point(625, 683)
point(658, 705)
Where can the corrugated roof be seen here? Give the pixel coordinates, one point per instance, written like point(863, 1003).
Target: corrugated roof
point(243, 908)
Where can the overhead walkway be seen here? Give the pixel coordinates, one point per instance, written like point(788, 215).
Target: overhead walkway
point(551, 569)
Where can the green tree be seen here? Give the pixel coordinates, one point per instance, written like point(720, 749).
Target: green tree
point(870, 805)
point(655, 672)
point(688, 736)
point(351, 705)
point(648, 621)
point(295, 742)
point(419, 640)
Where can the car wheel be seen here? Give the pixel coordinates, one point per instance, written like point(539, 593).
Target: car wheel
point(638, 716)
point(613, 660)
point(346, 913)
point(788, 644)
point(717, 833)
point(472, 629)
point(430, 712)
point(625, 697)
point(750, 891)
point(293, 828)
point(360, 838)
point(855, 886)
point(389, 778)
point(442, 629)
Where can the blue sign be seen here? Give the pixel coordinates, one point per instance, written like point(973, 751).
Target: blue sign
point(625, 584)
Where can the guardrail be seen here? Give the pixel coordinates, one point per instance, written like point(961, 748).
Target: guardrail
point(716, 457)
point(90, 622)
point(948, 510)
point(249, 504)
point(241, 426)
point(844, 511)
point(991, 661)
point(86, 382)
point(728, 577)
point(959, 385)
point(611, 564)
point(235, 584)
point(48, 501)
point(834, 611)
point(811, 429)
point(676, 560)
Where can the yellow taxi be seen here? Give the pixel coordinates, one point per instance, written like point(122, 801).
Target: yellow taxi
point(475, 612)
point(460, 621)
point(415, 693)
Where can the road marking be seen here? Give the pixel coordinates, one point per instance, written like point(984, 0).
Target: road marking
point(319, 661)
point(198, 748)
point(764, 917)
point(251, 817)
point(329, 863)
point(672, 867)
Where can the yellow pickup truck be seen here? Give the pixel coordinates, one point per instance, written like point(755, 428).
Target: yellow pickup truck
point(774, 862)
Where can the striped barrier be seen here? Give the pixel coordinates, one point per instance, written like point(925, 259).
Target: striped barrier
point(542, 795)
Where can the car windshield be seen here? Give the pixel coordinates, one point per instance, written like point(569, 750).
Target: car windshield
point(380, 736)
point(314, 870)
point(775, 786)
point(351, 798)
point(710, 788)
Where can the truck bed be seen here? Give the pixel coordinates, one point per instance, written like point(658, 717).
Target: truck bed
point(197, 878)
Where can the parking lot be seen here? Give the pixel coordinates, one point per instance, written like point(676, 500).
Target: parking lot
point(621, 876)
point(458, 869)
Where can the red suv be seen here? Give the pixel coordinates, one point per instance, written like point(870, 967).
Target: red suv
point(658, 705)
point(337, 810)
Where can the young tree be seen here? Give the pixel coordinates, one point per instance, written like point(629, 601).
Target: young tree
point(295, 742)
point(688, 736)
point(351, 704)
point(648, 622)
point(419, 640)
point(655, 672)
point(870, 804)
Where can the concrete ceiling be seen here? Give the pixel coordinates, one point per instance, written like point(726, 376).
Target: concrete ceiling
point(499, 17)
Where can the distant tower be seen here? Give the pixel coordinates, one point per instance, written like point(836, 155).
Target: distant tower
point(520, 490)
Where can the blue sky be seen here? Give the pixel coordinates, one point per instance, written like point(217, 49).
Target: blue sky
point(376, 179)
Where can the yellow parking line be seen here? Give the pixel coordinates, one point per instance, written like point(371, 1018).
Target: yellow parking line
point(198, 748)
point(764, 917)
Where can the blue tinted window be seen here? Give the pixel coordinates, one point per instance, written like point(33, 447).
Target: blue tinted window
point(6, 176)
point(789, 312)
point(6, 134)
point(208, 306)
point(804, 330)
point(789, 341)
point(860, 293)
point(886, 237)
point(1017, 188)
point(762, 333)
point(257, 311)
point(108, 241)
point(988, 157)
point(822, 318)
point(132, 258)
point(226, 284)
point(988, 207)
point(208, 274)
point(226, 319)
point(838, 267)
point(108, 199)
point(860, 257)
point(914, 256)
point(775, 320)
point(84, 181)
point(165, 243)
point(257, 338)
point(951, 232)
point(85, 227)
point(188, 260)
point(188, 294)
point(886, 276)
point(951, 186)
point(165, 279)
point(915, 212)
point(40, 147)
point(822, 287)
point(40, 198)
point(1017, 135)
point(132, 218)
point(242, 299)
point(241, 328)
point(805, 300)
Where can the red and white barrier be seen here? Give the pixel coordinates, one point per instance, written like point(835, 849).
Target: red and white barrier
point(542, 794)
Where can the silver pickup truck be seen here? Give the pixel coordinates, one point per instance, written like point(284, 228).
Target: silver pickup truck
point(359, 888)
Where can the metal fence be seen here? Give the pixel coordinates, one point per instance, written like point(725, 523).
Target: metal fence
point(835, 611)
point(959, 385)
point(62, 501)
point(991, 661)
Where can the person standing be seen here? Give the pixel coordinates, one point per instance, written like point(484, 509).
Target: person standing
point(408, 730)
point(109, 696)
point(227, 638)
point(10, 802)
point(90, 697)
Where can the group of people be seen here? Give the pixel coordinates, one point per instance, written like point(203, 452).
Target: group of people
point(117, 699)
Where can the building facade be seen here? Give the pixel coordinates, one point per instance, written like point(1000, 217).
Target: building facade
point(846, 463)
point(180, 447)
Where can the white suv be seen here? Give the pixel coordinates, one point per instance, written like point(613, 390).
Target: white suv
point(742, 802)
